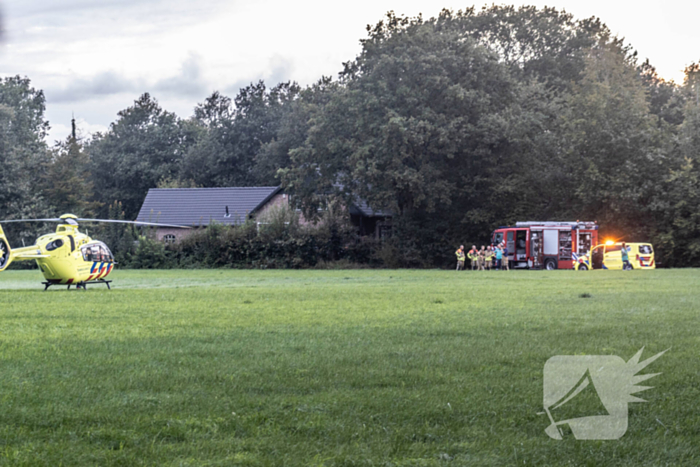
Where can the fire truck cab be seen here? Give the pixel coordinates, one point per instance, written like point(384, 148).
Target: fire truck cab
point(546, 245)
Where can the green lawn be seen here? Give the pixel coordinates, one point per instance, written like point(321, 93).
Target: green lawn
point(364, 367)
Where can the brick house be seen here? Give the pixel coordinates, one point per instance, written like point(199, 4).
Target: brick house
point(198, 207)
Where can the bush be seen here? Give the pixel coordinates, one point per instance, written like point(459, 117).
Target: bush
point(275, 241)
point(150, 254)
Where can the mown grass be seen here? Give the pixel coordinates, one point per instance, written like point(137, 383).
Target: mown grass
point(336, 367)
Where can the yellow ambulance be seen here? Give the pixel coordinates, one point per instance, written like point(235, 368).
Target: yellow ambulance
point(609, 256)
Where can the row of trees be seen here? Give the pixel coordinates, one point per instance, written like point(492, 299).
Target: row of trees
point(456, 124)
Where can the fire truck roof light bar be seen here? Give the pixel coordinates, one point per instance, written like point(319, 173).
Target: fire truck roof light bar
point(589, 225)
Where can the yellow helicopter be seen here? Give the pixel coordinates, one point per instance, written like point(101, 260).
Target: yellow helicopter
point(68, 256)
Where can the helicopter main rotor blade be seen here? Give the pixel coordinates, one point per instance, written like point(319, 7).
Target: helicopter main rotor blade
point(31, 220)
point(154, 224)
point(73, 221)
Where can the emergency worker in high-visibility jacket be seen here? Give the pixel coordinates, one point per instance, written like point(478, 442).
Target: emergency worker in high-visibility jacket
point(460, 257)
point(504, 261)
point(482, 258)
point(473, 255)
point(489, 257)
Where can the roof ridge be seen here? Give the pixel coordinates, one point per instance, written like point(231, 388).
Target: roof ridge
point(220, 188)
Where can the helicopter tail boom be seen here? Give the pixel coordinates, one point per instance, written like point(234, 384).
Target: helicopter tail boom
point(8, 255)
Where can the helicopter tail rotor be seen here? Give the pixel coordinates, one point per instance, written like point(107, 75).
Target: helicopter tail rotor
point(5, 251)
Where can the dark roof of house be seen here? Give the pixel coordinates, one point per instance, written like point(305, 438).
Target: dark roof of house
point(200, 206)
point(361, 207)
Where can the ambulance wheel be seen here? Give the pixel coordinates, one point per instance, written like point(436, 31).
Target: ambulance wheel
point(583, 267)
point(550, 264)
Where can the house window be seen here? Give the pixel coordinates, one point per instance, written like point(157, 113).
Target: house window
point(169, 238)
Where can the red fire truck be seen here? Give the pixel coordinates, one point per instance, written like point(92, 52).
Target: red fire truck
point(548, 245)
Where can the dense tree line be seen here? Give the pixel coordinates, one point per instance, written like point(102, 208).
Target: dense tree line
point(457, 124)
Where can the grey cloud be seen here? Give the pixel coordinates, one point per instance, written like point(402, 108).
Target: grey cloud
point(189, 82)
point(96, 18)
point(102, 84)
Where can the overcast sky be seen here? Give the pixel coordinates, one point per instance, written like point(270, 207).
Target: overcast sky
point(93, 58)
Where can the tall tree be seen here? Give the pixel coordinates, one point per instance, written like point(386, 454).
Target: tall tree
point(542, 44)
point(66, 178)
point(422, 120)
point(666, 99)
point(23, 155)
point(145, 145)
point(678, 200)
point(614, 146)
point(22, 148)
point(232, 133)
point(274, 157)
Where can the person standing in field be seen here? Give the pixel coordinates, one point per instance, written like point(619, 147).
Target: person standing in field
point(474, 257)
point(504, 261)
point(499, 257)
point(488, 257)
point(482, 258)
point(625, 258)
point(460, 257)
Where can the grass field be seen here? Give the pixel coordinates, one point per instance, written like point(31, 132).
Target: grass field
point(366, 367)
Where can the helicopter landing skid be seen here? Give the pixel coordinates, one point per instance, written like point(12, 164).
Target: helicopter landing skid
point(79, 285)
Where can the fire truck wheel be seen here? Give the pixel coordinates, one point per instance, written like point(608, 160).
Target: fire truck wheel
point(583, 267)
point(550, 264)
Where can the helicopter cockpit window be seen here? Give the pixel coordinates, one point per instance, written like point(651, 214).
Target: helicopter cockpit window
point(97, 252)
point(53, 245)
